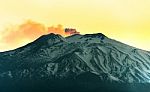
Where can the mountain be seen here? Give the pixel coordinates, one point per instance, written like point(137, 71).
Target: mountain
point(78, 59)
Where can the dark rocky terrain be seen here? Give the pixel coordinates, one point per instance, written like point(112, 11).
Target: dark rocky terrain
point(78, 63)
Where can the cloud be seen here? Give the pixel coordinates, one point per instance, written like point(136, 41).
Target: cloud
point(26, 32)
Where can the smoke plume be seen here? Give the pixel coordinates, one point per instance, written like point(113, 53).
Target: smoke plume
point(28, 31)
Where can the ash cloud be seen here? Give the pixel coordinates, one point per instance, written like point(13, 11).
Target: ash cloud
point(71, 31)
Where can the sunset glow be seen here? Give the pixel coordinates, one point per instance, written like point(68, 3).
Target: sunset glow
point(22, 21)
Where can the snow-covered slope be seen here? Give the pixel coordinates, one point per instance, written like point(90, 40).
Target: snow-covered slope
point(55, 57)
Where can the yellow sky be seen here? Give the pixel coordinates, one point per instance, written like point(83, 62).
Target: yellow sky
point(125, 20)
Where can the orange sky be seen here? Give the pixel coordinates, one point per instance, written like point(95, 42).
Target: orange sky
point(124, 20)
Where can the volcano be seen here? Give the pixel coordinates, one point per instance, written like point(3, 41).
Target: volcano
point(90, 62)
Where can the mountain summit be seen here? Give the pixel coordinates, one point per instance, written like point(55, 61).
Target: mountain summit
point(90, 57)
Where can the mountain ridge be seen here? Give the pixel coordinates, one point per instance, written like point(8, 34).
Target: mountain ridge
point(55, 56)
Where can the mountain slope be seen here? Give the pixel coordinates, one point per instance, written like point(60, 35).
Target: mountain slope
point(55, 57)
